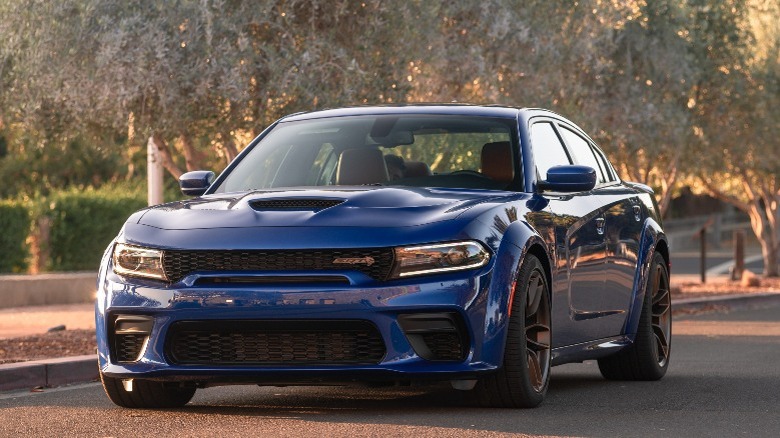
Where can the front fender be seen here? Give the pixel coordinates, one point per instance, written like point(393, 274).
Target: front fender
point(515, 244)
point(652, 235)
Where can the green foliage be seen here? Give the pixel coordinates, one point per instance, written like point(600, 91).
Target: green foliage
point(14, 226)
point(84, 222)
point(37, 165)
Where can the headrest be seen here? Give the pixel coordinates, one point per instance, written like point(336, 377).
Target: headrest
point(416, 169)
point(497, 161)
point(361, 166)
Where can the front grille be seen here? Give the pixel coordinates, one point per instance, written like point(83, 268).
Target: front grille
point(128, 347)
point(274, 342)
point(294, 204)
point(444, 346)
point(374, 262)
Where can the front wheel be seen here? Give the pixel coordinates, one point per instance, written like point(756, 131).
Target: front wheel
point(524, 376)
point(146, 394)
point(648, 357)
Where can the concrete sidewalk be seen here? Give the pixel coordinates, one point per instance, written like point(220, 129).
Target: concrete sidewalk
point(26, 321)
point(35, 320)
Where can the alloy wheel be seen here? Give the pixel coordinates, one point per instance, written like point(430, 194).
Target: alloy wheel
point(537, 330)
point(661, 320)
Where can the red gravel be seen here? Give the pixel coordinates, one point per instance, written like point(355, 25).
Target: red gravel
point(47, 346)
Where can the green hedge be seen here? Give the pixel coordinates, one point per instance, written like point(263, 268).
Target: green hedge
point(84, 222)
point(14, 228)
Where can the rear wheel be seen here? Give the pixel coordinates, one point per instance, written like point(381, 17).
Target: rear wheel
point(146, 394)
point(648, 357)
point(525, 373)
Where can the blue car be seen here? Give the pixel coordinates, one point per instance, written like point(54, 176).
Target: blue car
point(476, 245)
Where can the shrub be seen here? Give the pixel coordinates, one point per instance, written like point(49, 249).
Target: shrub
point(14, 227)
point(84, 222)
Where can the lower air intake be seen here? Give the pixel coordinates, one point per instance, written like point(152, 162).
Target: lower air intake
point(129, 347)
point(274, 343)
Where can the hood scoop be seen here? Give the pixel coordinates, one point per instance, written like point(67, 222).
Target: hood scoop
point(287, 204)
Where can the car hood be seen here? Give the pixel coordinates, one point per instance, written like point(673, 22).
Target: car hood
point(337, 207)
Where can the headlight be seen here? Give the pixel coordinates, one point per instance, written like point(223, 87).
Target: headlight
point(135, 261)
point(442, 257)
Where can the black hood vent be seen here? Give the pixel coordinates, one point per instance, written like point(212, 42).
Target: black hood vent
point(294, 204)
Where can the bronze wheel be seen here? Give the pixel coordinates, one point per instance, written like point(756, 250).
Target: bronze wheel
point(648, 357)
point(524, 376)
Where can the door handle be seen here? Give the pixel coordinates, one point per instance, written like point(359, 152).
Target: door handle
point(600, 221)
point(637, 213)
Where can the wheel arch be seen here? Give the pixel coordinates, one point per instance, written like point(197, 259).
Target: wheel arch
point(519, 240)
point(662, 247)
point(536, 249)
point(652, 241)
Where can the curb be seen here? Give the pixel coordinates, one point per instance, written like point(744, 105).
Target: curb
point(48, 373)
point(81, 369)
point(45, 289)
point(733, 302)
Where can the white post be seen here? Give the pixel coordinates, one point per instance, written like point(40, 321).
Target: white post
point(154, 173)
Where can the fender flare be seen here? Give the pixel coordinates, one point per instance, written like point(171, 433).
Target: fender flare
point(652, 235)
point(515, 244)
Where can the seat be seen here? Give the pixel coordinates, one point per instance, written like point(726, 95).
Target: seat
point(497, 161)
point(417, 169)
point(361, 166)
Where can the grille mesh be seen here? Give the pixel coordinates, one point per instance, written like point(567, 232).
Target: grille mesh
point(444, 346)
point(294, 204)
point(128, 347)
point(311, 342)
point(178, 264)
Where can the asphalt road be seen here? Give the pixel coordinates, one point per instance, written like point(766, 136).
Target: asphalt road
point(724, 380)
point(690, 262)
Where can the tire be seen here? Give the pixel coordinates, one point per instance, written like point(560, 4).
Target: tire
point(648, 357)
point(146, 394)
point(524, 376)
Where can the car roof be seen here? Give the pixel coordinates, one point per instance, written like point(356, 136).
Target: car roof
point(436, 108)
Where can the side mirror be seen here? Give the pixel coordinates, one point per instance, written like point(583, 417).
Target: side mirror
point(196, 183)
point(572, 178)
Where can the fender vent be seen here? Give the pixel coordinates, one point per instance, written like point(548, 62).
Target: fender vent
point(294, 204)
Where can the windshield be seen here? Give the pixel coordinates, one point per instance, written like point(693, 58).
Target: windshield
point(407, 150)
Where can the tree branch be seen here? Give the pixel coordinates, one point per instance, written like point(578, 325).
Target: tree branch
point(719, 194)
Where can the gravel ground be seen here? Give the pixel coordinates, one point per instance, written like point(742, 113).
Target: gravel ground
point(79, 342)
point(48, 345)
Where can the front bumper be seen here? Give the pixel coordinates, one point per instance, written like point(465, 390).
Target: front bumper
point(468, 296)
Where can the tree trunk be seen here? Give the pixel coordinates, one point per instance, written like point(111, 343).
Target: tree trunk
point(192, 157)
point(770, 260)
point(668, 188)
point(767, 236)
point(39, 245)
point(165, 153)
point(229, 147)
point(762, 208)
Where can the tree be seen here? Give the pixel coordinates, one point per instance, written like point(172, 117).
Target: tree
point(200, 75)
point(737, 107)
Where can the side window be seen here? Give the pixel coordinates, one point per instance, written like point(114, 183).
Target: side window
point(547, 148)
point(609, 173)
point(582, 152)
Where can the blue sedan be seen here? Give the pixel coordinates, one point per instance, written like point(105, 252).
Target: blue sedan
point(476, 245)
